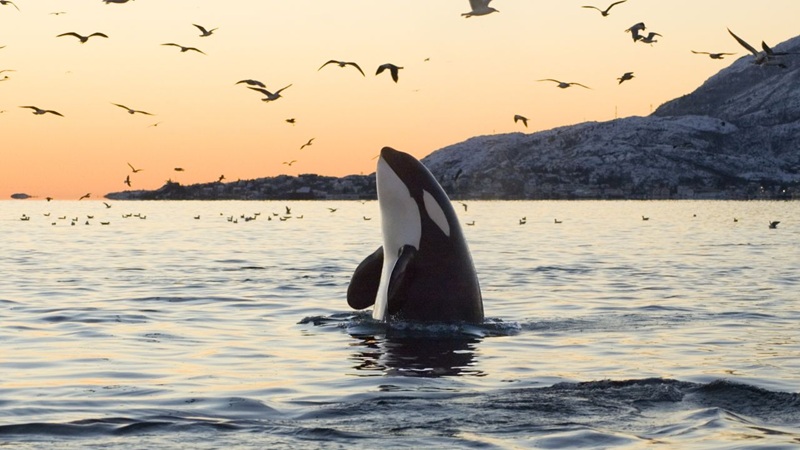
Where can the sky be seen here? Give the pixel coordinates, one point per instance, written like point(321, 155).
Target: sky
point(461, 77)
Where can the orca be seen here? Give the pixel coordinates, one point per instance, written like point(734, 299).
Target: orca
point(423, 271)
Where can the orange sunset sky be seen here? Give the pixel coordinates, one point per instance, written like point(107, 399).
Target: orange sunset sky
point(461, 77)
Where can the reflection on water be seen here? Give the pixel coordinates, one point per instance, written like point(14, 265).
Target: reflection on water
point(415, 356)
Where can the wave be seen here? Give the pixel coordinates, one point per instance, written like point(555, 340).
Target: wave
point(601, 413)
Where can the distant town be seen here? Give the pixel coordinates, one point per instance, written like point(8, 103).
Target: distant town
point(362, 187)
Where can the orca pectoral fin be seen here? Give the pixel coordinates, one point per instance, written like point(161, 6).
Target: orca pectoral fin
point(401, 276)
point(365, 281)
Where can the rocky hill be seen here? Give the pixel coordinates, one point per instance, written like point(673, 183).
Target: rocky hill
point(736, 136)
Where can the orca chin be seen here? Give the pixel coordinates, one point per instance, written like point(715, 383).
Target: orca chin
point(423, 271)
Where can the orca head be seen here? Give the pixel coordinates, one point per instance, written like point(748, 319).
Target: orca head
point(408, 194)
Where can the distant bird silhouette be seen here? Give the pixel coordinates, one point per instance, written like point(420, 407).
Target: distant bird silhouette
point(564, 85)
point(604, 12)
point(524, 119)
point(391, 68)
point(252, 83)
point(342, 64)
point(713, 55)
point(774, 224)
point(471, 223)
point(333, 210)
point(204, 31)
point(115, 1)
point(107, 205)
point(57, 13)
point(307, 143)
point(288, 210)
point(48, 198)
point(635, 29)
point(40, 111)
point(133, 169)
point(766, 57)
point(83, 39)
point(9, 2)
point(645, 218)
point(289, 163)
point(270, 96)
point(366, 218)
point(625, 77)
point(556, 221)
point(464, 205)
point(128, 180)
point(523, 221)
point(291, 120)
point(87, 195)
point(131, 111)
point(184, 49)
point(479, 8)
point(221, 177)
point(650, 38)
point(178, 169)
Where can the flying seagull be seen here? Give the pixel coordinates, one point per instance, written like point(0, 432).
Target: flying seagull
point(252, 83)
point(40, 111)
point(479, 8)
point(605, 12)
point(87, 195)
point(524, 119)
point(134, 169)
point(115, 1)
point(774, 224)
point(625, 77)
point(635, 29)
point(184, 49)
point(178, 169)
point(564, 85)
point(342, 64)
point(270, 96)
point(767, 57)
point(307, 144)
point(83, 39)
point(127, 180)
point(9, 2)
point(205, 31)
point(713, 55)
point(132, 111)
point(391, 68)
point(291, 120)
point(289, 163)
point(649, 39)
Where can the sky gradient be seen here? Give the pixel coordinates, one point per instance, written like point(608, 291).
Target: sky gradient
point(461, 77)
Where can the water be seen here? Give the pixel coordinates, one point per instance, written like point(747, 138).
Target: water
point(603, 331)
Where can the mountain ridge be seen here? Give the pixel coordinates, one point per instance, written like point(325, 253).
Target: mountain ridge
point(737, 136)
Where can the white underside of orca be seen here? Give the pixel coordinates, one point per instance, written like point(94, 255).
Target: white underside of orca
point(401, 225)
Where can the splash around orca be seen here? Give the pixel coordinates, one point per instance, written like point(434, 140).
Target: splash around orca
point(424, 270)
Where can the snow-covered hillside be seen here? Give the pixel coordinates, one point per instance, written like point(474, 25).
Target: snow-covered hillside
point(737, 135)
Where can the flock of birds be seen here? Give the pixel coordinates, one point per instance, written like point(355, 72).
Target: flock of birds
point(765, 57)
point(281, 216)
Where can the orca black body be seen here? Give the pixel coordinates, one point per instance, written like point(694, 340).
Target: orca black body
point(423, 271)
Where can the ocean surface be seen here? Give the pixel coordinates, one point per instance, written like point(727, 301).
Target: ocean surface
point(220, 325)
